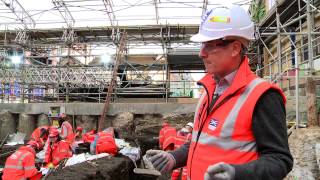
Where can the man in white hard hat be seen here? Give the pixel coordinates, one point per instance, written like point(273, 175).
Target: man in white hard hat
point(240, 126)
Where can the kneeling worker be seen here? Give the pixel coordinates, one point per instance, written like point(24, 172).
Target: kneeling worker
point(21, 164)
point(56, 150)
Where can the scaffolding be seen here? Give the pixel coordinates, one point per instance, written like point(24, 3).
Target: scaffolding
point(287, 47)
point(59, 71)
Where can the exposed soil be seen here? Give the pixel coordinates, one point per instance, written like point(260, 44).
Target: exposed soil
point(104, 168)
point(5, 152)
point(147, 128)
point(302, 146)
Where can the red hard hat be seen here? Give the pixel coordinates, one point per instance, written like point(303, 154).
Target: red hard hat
point(53, 132)
point(79, 128)
point(34, 144)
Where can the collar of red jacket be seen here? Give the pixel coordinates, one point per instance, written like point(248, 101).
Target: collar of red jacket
point(242, 78)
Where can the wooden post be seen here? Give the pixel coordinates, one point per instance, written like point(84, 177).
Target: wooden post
point(311, 102)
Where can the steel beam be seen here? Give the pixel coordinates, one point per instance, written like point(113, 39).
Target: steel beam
point(108, 4)
point(204, 6)
point(156, 10)
point(309, 30)
point(68, 33)
point(22, 15)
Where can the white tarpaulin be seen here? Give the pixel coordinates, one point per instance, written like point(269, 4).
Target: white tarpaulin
point(17, 138)
point(79, 158)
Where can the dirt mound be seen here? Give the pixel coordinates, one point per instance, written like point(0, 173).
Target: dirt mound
point(147, 127)
point(151, 124)
point(302, 146)
point(104, 168)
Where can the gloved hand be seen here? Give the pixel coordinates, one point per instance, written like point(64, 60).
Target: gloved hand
point(50, 165)
point(161, 160)
point(220, 171)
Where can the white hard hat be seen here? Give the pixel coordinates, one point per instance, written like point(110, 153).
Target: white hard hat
point(184, 130)
point(190, 124)
point(223, 22)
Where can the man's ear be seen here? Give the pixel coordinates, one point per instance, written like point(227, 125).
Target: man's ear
point(236, 48)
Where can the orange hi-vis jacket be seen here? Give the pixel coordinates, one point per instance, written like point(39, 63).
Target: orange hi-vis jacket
point(67, 133)
point(161, 136)
point(56, 153)
point(106, 144)
point(89, 136)
point(167, 137)
point(36, 135)
point(20, 165)
point(223, 133)
point(182, 138)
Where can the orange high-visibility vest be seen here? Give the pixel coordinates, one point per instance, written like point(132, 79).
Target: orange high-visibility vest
point(57, 152)
point(161, 137)
point(20, 165)
point(176, 173)
point(167, 137)
point(224, 133)
point(181, 139)
point(36, 135)
point(60, 151)
point(106, 144)
point(67, 132)
point(89, 136)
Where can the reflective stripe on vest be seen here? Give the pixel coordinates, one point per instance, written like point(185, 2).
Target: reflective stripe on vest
point(225, 141)
point(64, 131)
point(13, 167)
point(228, 126)
point(166, 130)
point(29, 167)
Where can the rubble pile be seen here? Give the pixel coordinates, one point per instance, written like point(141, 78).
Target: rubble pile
point(302, 145)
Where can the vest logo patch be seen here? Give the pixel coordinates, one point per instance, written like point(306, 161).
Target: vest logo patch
point(213, 124)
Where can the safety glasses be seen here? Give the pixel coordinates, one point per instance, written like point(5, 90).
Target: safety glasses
point(215, 45)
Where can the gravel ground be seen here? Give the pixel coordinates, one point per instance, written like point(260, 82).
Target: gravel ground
point(302, 146)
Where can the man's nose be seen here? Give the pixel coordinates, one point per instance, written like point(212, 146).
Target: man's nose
point(203, 53)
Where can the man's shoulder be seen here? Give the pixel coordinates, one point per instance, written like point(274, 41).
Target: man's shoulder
point(270, 96)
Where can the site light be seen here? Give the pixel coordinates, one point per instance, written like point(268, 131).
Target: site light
point(105, 58)
point(16, 59)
